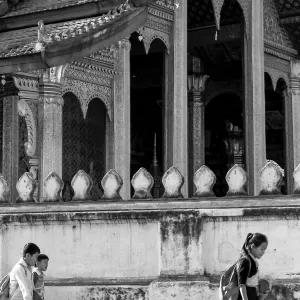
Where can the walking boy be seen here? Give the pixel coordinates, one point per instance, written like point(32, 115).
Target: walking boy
point(38, 275)
point(21, 282)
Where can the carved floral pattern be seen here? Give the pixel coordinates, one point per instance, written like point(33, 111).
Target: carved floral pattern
point(149, 35)
point(25, 111)
point(272, 30)
point(86, 91)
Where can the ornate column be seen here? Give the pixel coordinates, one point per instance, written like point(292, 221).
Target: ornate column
point(180, 106)
point(196, 87)
point(255, 137)
point(50, 124)
point(122, 115)
point(10, 154)
point(27, 104)
point(292, 116)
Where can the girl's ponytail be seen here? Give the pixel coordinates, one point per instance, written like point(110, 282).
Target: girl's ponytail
point(248, 238)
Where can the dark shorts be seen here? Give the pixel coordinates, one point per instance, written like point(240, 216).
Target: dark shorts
point(251, 293)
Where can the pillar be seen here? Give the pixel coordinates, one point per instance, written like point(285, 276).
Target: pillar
point(255, 137)
point(196, 87)
point(50, 125)
point(180, 103)
point(122, 115)
point(10, 157)
point(293, 120)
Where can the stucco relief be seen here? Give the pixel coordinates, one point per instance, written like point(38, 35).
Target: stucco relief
point(149, 35)
point(86, 91)
point(272, 29)
point(25, 111)
point(275, 75)
point(244, 4)
point(215, 89)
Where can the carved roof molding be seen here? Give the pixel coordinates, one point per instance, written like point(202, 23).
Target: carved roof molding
point(26, 83)
point(90, 73)
point(169, 4)
point(25, 111)
point(86, 92)
point(159, 24)
point(161, 14)
point(279, 51)
point(149, 35)
point(214, 89)
point(105, 55)
point(272, 30)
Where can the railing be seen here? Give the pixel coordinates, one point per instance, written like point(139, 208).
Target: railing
point(142, 182)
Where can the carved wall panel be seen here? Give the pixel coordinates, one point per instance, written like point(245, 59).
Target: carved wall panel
point(158, 26)
point(26, 112)
point(273, 32)
point(86, 91)
point(277, 69)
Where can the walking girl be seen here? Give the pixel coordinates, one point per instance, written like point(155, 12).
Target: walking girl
point(248, 268)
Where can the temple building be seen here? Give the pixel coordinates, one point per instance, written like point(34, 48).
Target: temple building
point(107, 101)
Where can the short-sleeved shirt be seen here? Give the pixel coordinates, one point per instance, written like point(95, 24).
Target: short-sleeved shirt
point(246, 267)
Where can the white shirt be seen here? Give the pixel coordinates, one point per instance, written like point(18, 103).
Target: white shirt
point(21, 282)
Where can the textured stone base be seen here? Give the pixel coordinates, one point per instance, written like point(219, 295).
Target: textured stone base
point(160, 290)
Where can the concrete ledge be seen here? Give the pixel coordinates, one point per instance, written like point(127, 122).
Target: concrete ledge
point(160, 205)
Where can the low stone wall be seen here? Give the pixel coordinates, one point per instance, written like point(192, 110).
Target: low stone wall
point(153, 249)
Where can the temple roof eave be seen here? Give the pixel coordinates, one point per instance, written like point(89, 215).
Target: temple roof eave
point(70, 48)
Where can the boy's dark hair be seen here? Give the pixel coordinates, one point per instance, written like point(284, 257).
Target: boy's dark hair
point(31, 249)
point(42, 256)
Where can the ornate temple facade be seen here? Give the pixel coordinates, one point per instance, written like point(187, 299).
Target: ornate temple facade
point(168, 104)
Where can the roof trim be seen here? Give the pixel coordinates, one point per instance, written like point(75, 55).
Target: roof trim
point(70, 48)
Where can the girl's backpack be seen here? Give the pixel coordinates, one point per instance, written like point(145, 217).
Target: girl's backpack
point(4, 287)
point(229, 289)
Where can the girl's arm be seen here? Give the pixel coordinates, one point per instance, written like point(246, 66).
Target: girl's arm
point(243, 292)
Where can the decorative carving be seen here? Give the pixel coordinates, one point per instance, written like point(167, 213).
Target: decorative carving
point(271, 177)
point(111, 184)
point(3, 189)
point(149, 35)
point(214, 89)
point(82, 186)
point(26, 84)
point(204, 180)
point(236, 179)
point(159, 24)
point(166, 4)
point(218, 4)
point(86, 91)
point(54, 74)
point(275, 75)
point(142, 182)
point(197, 83)
point(90, 73)
point(53, 187)
point(172, 182)
point(25, 111)
point(26, 187)
point(272, 29)
point(161, 14)
point(296, 176)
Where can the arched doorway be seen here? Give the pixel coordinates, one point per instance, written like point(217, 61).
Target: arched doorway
point(224, 137)
point(84, 145)
point(95, 140)
point(275, 124)
point(147, 108)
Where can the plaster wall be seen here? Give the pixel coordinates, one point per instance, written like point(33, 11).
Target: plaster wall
point(172, 250)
